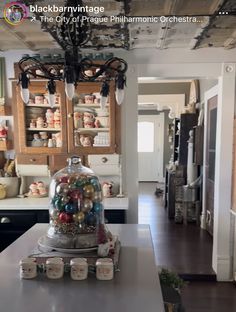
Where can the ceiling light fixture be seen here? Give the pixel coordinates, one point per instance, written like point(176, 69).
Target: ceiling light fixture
point(73, 69)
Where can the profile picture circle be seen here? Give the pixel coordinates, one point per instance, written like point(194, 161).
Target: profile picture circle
point(14, 13)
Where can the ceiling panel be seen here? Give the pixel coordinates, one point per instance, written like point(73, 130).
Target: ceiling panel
point(210, 30)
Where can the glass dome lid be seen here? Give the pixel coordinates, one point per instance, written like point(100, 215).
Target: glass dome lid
point(76, 210)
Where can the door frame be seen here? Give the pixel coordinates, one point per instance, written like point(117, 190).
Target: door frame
point(214, 91)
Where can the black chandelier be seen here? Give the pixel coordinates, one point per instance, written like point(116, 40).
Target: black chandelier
point(73, 69)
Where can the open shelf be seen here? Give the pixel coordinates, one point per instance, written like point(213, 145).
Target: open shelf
point(44, 129)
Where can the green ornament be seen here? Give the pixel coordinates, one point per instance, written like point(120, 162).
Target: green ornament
point(59, 204)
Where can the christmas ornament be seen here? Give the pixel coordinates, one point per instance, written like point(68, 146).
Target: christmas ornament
point(87, 205)
point(59, 205)
point(65, 217)
point(62, 188)
point(78, 217)
point(97, 207)
point(88, 190)
point(70, 208)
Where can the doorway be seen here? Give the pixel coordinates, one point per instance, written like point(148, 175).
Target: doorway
point(150, 147)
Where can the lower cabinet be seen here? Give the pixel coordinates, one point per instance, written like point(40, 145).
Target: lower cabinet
point(14, 223)
point(115, 216)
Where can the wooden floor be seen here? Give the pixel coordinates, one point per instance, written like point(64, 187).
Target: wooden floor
point(186, 250)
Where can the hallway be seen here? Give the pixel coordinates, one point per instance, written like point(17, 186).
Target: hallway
point(187, 251)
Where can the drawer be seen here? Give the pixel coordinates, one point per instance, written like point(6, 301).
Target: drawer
point(19, 219)
point(104, 164)
point(32, 159)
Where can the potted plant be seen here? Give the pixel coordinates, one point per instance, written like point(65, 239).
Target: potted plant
point(171, 285)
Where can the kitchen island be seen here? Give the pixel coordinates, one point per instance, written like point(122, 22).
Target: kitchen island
point(135, 287)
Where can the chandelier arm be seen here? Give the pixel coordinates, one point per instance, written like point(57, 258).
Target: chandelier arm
point(118, 68)
point(46, 74)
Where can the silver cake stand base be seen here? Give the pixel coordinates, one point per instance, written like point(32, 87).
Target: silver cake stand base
point(68, 244)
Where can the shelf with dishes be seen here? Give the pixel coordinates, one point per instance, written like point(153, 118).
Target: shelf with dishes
point(87, 106)
point(43, 105)
point(44, 129)
point(92, 129)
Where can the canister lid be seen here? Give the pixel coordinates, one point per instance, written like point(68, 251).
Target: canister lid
point(76, 261)
point(104, 261)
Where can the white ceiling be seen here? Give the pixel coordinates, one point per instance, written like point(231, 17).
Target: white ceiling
point(210, 30)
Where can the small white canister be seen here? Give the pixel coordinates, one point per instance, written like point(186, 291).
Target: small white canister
point(104, 269)
point(54, 268)
point(28, 268)
point(79, 269)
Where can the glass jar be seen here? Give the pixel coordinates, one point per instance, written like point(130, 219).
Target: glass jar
point(76, 210)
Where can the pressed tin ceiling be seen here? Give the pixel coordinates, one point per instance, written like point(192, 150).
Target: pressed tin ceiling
point(211, 29)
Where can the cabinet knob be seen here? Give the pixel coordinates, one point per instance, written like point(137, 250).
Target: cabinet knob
point(70, 115)
point(5, 220)
point(32, 159)
point(104, 160)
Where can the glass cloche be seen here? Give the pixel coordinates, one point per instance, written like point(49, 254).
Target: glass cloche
point(76, 210)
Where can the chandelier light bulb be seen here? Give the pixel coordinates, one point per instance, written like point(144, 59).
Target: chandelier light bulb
point(51, 99)
point(25, 95)
point(120, 84)
point(70, 90)
point(120, 94)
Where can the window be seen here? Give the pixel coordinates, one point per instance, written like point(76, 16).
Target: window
point(145, 137)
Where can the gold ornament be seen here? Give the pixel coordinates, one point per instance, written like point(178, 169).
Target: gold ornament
point(78, 217)
point(88, 190)
point(87, 205)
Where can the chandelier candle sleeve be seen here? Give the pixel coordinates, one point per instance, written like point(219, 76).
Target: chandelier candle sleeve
point(24, 80)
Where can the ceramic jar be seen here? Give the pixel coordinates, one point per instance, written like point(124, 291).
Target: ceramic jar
point(54, 268)
point(107, 189)
point(79, 268)
point(78, 120)
point(88, 120)
point(104, 269)
point(40, 123)
point(39, 99)
point(28, 268)
point(89, 98)
point(86, 140)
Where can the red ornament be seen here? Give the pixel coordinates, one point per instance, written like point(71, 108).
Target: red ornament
point(64, 179)
point(65, 217)
point(75, 195)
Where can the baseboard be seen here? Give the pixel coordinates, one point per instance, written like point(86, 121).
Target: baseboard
point(199, 277)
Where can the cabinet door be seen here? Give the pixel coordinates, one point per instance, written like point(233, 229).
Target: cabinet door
point(41, 129)
point(92, 130)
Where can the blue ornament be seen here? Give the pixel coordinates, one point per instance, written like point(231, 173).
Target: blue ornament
point(91, 219)
point(97, 207)
point(96, 184)
point(70, 208)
